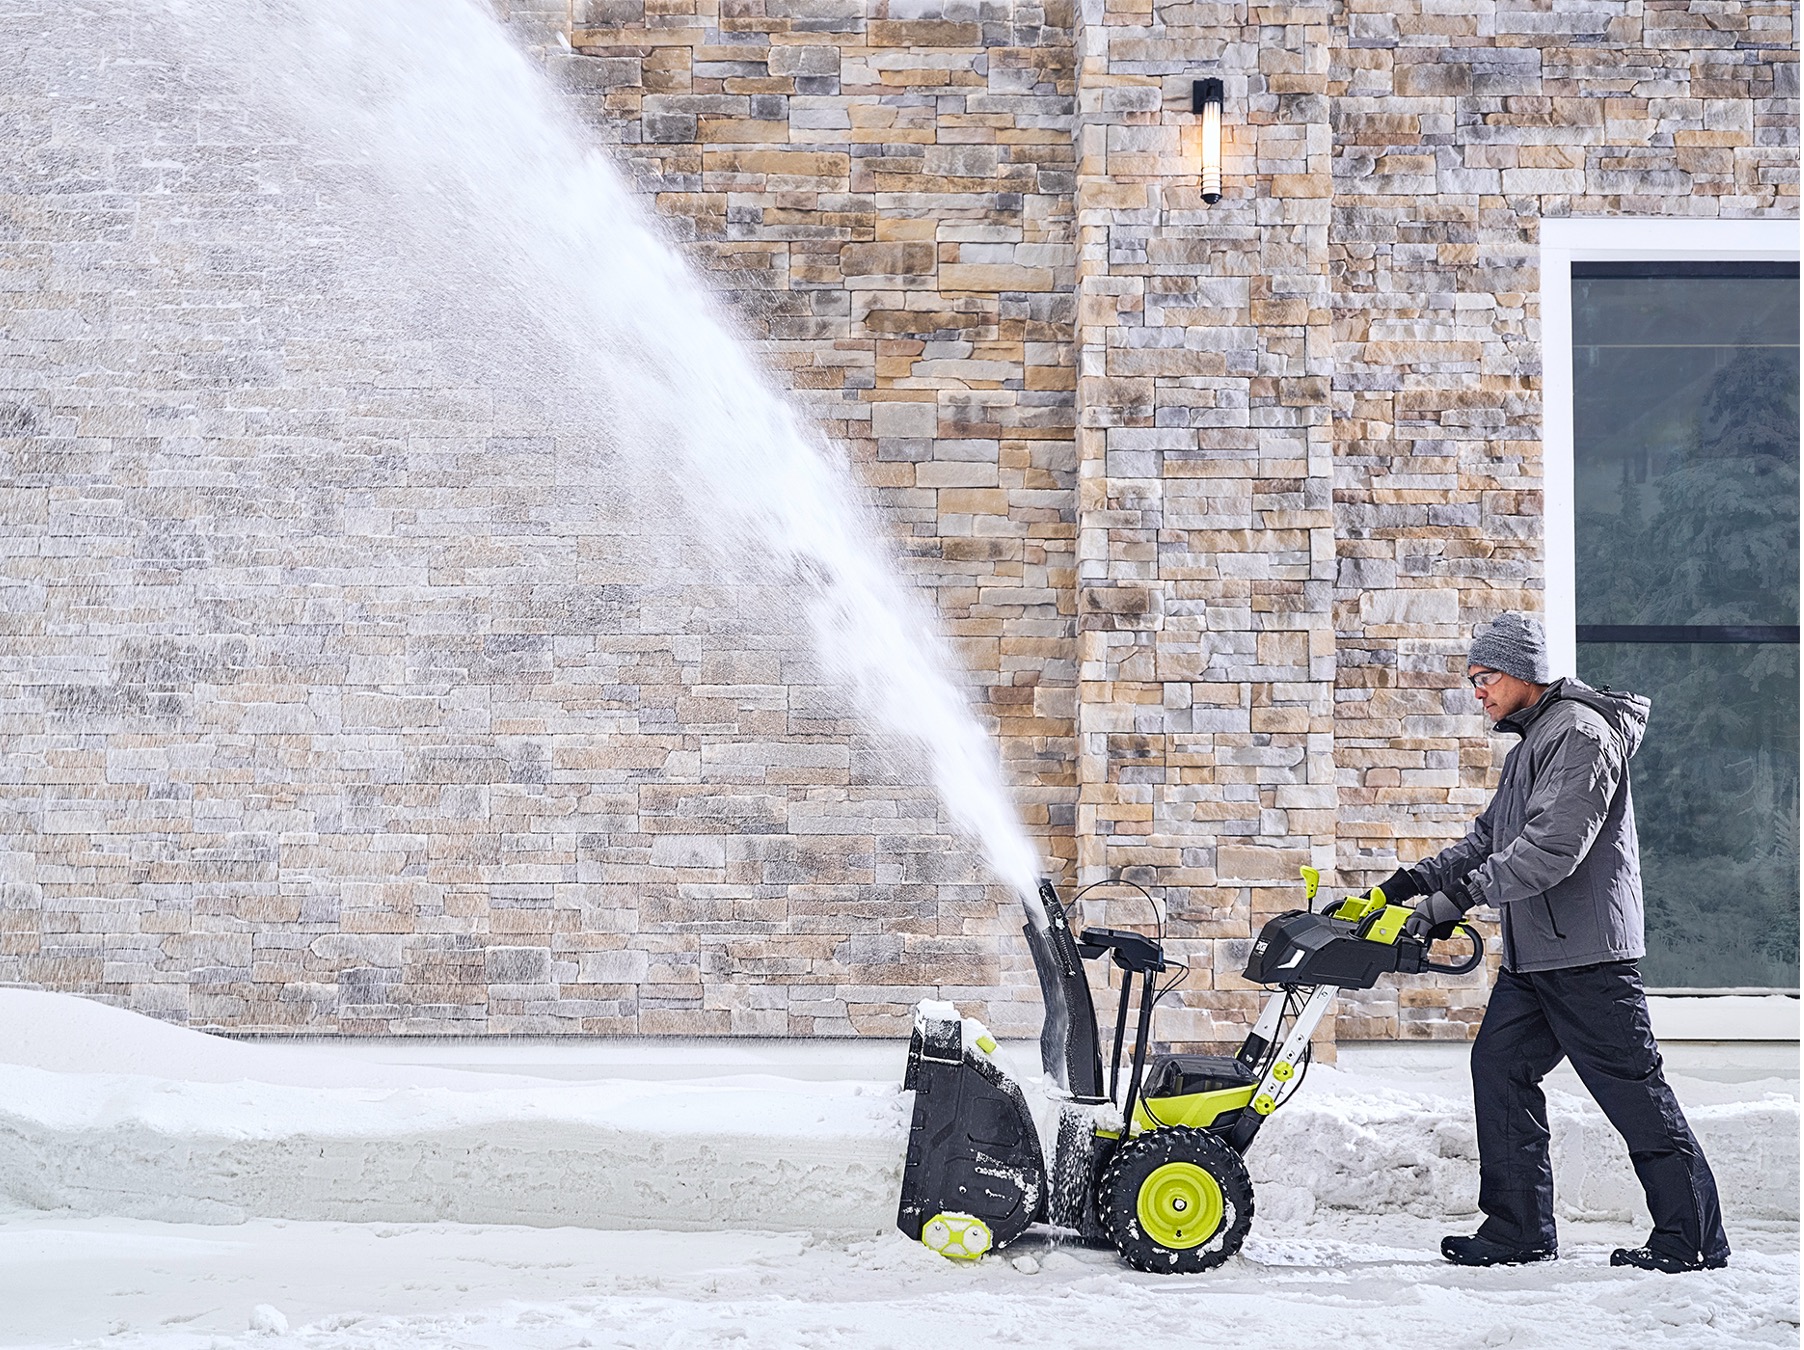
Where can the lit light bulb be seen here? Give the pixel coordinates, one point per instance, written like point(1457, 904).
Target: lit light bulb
point(1205, 100)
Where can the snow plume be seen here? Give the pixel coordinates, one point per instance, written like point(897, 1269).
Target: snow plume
point(474, 215)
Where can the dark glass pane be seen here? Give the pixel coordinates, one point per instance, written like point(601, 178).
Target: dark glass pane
point(1685, 441)
point(1716, 805)
point(1685, 438)
point(1685, 311)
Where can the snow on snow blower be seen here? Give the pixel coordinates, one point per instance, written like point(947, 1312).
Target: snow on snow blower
point(1155, 1172)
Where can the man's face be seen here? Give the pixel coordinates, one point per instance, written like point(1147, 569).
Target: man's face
point(1499, 694)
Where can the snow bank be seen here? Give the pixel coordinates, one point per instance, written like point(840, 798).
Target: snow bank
point(1350, 1143)
point(107, 1112)
point(145, 1120)
point(77, 1035)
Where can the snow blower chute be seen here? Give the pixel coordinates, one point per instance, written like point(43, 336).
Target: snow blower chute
point(1170, 1191)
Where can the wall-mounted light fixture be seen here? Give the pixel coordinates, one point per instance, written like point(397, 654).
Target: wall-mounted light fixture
point(1205, 102)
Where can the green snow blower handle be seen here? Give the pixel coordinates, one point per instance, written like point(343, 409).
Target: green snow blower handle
point(1469, 963)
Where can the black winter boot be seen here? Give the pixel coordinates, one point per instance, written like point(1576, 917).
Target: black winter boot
point(1646, 1258)
point(1480, 1251)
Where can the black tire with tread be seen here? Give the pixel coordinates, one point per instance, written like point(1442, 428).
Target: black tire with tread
point(1118, 1192)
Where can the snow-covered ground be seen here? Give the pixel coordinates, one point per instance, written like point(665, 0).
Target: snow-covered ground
point(160, 1188)
point(1361, 1282)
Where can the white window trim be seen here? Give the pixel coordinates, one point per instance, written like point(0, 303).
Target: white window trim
point(1709, 1015)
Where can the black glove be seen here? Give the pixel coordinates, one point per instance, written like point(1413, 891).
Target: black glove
point(1436, 914)
point(1401, 886)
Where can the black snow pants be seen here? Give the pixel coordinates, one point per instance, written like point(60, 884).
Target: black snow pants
point(1596, 1016)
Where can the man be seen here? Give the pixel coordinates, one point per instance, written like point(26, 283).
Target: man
point(1555, 854)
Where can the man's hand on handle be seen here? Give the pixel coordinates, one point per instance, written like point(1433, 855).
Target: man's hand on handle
point(1437, 913)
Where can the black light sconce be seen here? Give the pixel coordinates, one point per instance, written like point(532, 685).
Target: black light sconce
point(1205, 102)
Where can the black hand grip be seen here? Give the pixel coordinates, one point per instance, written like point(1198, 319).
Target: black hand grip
point(1470, 963)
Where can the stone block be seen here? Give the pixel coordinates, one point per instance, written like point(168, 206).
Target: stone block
point(1409, 607)
point(994, 277)
point(615, 967)
point(516, 965)
point(894, 259)
point(911, 419)
point(795, 58)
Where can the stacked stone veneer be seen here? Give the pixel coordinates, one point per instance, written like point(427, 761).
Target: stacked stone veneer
point(890, 201)
point(1208, 497)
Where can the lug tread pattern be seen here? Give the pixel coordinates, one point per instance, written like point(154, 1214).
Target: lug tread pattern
point(1118, 1193)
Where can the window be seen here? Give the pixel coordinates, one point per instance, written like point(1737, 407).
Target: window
point(1681, 458)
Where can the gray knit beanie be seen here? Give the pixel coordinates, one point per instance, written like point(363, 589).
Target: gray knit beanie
point(1514, 644)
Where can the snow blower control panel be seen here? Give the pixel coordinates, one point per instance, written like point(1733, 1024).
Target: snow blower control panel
point(1348, 947)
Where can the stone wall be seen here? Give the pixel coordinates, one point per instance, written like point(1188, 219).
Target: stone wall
point(1206, 545)
point(348, 688)
point(1208, 496)
point(890, 203)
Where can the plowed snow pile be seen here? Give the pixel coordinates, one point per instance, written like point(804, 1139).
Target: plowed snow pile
point(108, 1112)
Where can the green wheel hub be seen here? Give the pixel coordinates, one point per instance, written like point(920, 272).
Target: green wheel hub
point(1179, 1206)
point(1177, 1200)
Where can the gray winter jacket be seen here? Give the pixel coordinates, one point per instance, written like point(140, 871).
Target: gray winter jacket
point(1555, 850)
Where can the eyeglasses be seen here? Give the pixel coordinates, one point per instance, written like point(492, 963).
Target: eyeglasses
point(1485, 678)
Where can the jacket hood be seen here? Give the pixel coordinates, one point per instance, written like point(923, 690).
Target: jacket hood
point(1625, 713)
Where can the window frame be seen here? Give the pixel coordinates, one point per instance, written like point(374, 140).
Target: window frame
point(1612, 239)
point(1742, 1014)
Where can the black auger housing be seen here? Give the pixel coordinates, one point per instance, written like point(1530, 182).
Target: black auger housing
point(972, 1146)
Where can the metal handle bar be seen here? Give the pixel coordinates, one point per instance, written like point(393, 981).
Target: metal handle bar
point(1470, 963)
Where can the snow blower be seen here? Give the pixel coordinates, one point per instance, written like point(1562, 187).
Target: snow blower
point(1157, 1171)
